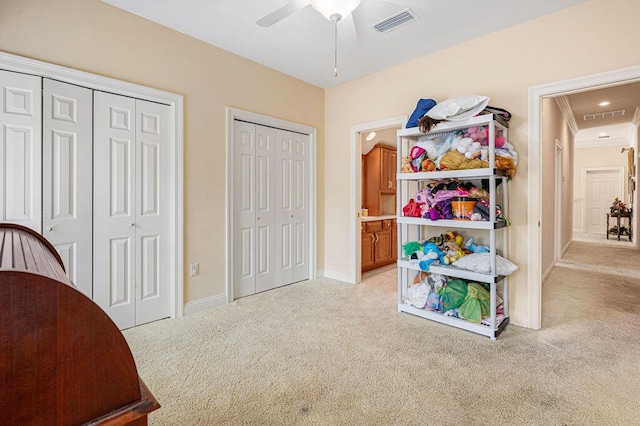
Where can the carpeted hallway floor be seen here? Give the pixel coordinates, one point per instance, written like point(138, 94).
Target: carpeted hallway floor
point(328, 353)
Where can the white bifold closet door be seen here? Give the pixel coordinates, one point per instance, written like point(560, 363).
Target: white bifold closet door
point(67, 157)
point(271, 230)
point(131, 221)
point(20, 150)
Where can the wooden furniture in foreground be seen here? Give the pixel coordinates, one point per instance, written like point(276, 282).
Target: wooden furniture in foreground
point(618, 217)
point(62, 360)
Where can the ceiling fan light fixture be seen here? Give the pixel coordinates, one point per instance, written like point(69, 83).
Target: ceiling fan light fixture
point(330, 8)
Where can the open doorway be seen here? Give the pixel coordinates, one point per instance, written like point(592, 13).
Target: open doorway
point(373, 202)
point(542, 220)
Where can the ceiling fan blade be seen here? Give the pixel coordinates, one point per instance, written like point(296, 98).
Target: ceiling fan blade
point(283, 12)
point(347, 30)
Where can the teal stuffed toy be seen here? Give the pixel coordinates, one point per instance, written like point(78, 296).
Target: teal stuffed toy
point(475, 248)
point(431, 253)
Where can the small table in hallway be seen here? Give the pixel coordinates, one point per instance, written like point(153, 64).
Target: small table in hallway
point(618, 217)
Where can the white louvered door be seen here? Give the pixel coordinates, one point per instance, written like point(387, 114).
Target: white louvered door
point(20, 150)
point(67, 169)
point(130, 228)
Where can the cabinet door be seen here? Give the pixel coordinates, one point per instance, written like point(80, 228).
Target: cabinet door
point(392, 167)
point(387, 173)
point(368, 259)
point(383, 247)
point(21, 150)
point(67, 179)
point(394, 240)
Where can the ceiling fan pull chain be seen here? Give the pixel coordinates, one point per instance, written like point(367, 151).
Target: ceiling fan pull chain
point(335, 49)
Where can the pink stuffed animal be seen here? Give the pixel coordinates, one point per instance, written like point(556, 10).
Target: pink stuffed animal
point(481, 134)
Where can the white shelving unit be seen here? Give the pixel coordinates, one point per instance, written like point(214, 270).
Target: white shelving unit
point(413, 229)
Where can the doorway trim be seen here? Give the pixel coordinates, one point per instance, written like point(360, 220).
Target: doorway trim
point(533, 317)
point(355, 244)
point(25, 65)
point(238, 114)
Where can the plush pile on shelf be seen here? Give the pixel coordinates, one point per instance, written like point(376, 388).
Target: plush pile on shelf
point(453, 297)
point(462, 150)
point(449, 249)
point(434, 201)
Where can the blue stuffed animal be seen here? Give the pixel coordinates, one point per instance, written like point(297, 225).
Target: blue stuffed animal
point(475, 248)
point(431, 253)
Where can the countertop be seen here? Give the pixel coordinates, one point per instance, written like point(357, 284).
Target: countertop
point(371, 218)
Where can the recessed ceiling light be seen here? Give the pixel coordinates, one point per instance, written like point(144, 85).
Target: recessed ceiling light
point(370, 136)
point(604, 103)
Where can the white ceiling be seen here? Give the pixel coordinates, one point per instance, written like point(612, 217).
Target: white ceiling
point(302, 44)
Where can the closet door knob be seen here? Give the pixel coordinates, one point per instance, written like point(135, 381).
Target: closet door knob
point(132, 225)
point(50, 228)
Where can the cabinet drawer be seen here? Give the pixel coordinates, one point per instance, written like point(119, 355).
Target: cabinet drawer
point(388, 223)
point(374, 225)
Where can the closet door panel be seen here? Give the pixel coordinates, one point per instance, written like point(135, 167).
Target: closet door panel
point(20, 149)
point(284, 203)
point(265, 208)
point(114, 215)
point(152, 226)
point(300, 196)
point(67, 178)
point(244, 177)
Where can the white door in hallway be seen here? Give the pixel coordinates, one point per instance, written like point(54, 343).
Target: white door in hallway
point(601, 187)
point(20, 149)
point(67, 178)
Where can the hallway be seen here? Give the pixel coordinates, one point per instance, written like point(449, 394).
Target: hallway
point(596, 285)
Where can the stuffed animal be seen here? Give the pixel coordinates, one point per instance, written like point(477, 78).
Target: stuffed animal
point(428, 165)
point(469, 148)
point(431, 253)
point(406, 164)
point(481, 134)
point(476, 248)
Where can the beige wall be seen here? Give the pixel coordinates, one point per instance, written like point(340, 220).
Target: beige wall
point(92, 36)
point(598, 35)
point(555, 128)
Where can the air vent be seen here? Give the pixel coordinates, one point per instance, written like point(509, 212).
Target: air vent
point(395, 21)
point(600, 115)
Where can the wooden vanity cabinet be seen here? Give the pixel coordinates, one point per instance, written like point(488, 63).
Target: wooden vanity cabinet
point(379, 245)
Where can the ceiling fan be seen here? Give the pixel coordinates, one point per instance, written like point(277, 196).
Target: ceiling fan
point(334, 10)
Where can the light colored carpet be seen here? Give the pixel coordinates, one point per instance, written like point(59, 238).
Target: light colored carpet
point(328, 353)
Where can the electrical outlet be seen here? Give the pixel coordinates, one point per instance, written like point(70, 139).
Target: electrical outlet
point(194, 269)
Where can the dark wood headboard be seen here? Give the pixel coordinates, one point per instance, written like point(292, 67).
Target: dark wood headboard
point(62, 359)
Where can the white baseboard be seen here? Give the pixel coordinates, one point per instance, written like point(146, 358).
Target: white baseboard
point(336, 276)
point(204, 304)
point(519, 319)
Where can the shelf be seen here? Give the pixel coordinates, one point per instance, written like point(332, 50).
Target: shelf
point(449, 126)
point(450, 174)
point(456, 322)
point(452, 271)
point(446, 223)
